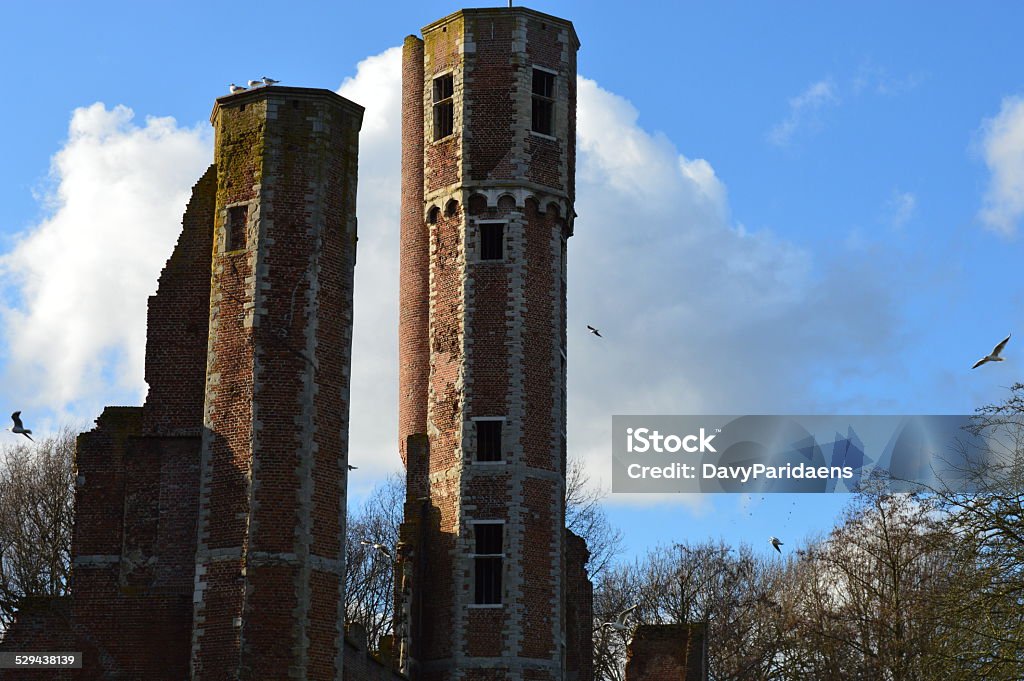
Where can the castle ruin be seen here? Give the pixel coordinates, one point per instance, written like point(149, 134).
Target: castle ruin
point(209, 537)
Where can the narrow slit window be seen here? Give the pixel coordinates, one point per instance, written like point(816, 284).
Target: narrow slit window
point(543, 102)
point(444, 107)
point(237, 218)
point(488, 562)
point(488, 440)
point(492, 241)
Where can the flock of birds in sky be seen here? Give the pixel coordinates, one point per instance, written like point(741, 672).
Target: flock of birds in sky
point(262, 82)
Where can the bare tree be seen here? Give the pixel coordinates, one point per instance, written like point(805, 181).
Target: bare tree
point(585, 516)
point(36, 520)
point(369, 573)
point(986, 608)
point(732, 592)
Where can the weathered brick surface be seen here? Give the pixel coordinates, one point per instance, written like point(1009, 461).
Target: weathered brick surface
point(579, 610)
point(667, 652)
point(497, 335)
point(414, 272)
point(209, 535)
point(178, 321)
point(272, 495)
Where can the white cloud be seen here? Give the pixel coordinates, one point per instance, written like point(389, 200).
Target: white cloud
point(699, 314)
point(373, 436)
point(1002, 144)
point(83, 273)
point(803, 111)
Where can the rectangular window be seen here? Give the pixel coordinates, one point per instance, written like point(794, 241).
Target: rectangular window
point(444, 107)
point(488, 559)
point(492, 241)
point(235, 237)
point(543, 102)
point(488, 440)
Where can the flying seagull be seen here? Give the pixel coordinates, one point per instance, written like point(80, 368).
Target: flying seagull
point(352, 468)
point(270, 81)
point(776, 543)
point(620, 620)
point(18, 428)
point(379, 547)
point(594, 331)
point(255, 83)
point(994, 355)
point(237, 88)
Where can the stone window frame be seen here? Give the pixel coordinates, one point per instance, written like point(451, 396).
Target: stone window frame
point(553, 99)
point(435, 103)
point(475, 556)
point(478, 240)
point(500, 462)
point(226, 226)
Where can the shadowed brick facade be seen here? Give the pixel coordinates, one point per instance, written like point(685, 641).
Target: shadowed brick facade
point(269, 565)
point(482, 338)
point(209, 528)
point(668, 652)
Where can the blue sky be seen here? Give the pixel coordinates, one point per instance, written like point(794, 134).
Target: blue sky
point(788, 208)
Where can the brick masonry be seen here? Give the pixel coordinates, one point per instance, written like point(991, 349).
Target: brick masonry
point(667, 652)
point(209, 529)
point(269, 568)
point(209, 533)
point(496, 332)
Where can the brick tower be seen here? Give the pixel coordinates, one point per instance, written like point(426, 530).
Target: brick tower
point(269, 562)
point(488, 164)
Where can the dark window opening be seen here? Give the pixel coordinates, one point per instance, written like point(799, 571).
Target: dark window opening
point(444, 106)
point(237, 217)
point(543, 102)
point(492, 241)
point(488, 440)
point(488, 560)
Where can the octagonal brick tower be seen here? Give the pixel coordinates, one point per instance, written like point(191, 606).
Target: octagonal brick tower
point(489, 126)
point(270, 556)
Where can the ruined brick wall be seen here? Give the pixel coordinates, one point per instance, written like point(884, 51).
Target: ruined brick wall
point(667, 652)
point(497, 345)
point(133, 545)
point(270, 556)
point(178, 320)
point(579, 611)
point(209, 530)
point(45, 625)
point(360, 664)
